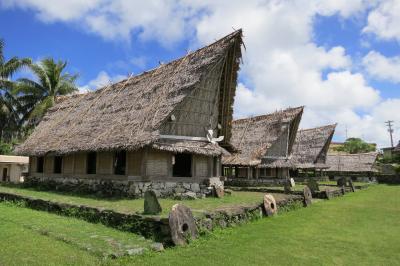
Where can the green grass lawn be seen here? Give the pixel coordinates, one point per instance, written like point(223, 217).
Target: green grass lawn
point(136, 205)
point(360, 228)
point(22, 229)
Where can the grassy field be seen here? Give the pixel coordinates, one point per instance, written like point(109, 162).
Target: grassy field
point(136, 205)
point(27, 231)
point(360, 228)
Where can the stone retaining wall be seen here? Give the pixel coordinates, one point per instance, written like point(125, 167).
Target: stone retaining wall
point(112, 188)
point(238, 182)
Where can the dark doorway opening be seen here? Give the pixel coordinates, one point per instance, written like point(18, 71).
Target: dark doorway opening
point(57, 164)
point(91, 163)
point(216, 166)
point(4, 178)
point(40, 163)
point(120, 163)
point(183, 165)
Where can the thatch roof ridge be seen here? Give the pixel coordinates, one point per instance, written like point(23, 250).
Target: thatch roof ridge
point(253, 136)
point(128, 114)
point(288, 111)
point(311, 146)
point(330, 126)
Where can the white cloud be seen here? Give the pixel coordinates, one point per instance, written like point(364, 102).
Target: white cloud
point(382, 67)
point(54, 10)
point(101, 80)
point(283, 66)
point(384, 20)
point(164, 21)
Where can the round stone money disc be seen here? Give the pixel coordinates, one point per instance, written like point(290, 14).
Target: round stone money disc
point(182, 225)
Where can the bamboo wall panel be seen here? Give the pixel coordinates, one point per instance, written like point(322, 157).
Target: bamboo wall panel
point(157, 163)
point(201, 164)
point(80, 163)
point(68, 164)
point(48, 164)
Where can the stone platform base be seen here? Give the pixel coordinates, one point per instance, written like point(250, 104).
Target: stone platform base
point(108, 188)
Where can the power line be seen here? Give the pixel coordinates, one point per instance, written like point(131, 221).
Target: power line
point(389, 124)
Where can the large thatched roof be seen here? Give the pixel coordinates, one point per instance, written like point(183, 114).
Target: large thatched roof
point(311, 147)
point(356, 163)
point(129, 114)
point(254, 136)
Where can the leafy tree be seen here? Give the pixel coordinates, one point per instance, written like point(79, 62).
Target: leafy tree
point(36, 96)
point(9, 107)
point(5, 148)
point(356, 145)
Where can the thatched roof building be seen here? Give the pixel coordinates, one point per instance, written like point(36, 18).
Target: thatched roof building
point(172, 124)
point(137, 111)
point(270, 137)
point(311, 147)
point(360, 163)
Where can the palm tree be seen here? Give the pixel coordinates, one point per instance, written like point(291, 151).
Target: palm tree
point(36, 96)
point(9, 116)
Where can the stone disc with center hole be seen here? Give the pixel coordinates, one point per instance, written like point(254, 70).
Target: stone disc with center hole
point(219, 191)
point(307, 196)
point(270, 205)
point(182, 224)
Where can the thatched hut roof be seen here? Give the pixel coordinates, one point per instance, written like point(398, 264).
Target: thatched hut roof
point(128, 114)
point(311, 147)
point(254, 136)
point(355, 163)
point(397, 148)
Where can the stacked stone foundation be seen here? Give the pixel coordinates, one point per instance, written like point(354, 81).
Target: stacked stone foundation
point(113, 188)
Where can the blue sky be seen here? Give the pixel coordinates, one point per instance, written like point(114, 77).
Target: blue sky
point(337, 58)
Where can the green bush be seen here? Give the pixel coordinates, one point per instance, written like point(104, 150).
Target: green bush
point(6, 148)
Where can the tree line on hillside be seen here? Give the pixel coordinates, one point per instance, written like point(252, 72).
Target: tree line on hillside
point(24, 101)
point(355, 145)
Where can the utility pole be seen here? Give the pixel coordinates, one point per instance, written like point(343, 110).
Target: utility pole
point(389, 124)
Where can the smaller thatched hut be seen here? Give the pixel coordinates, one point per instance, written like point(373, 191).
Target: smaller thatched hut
point(357, 166)
point(264, 145)
point(310, 150)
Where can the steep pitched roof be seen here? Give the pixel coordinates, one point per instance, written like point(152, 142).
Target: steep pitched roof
point(252, 137)
point(397, 148)
point(128, 114)
point(311, 146)
point(361, 162)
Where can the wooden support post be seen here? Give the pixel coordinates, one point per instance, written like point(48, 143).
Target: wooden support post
point(248, 172)
point(257, 172)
